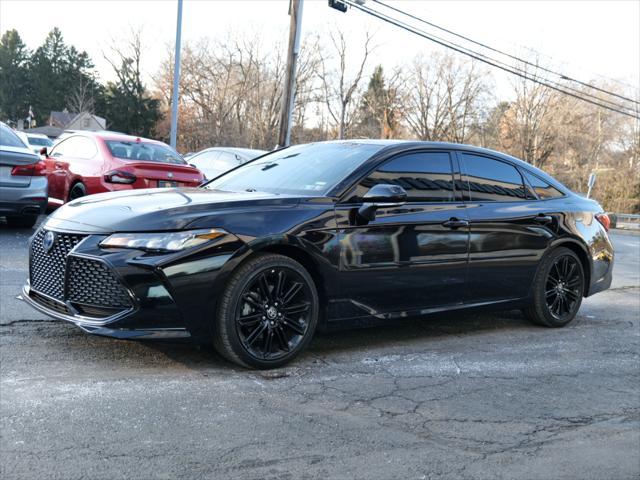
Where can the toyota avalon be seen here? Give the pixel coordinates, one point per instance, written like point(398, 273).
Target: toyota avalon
point(323, 235)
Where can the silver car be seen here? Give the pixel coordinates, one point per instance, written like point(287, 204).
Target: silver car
point(23, 181)
point(213, 162)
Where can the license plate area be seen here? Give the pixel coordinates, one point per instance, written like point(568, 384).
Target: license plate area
point(167, 184)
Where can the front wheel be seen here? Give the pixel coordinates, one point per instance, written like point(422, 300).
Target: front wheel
point(267, 313)
point(557, 289)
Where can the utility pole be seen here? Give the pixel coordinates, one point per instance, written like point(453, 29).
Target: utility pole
point(295, 12)
point(176, 80)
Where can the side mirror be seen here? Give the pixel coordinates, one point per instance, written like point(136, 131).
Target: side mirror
point(381, 195)
point(192, 165)
point(43, 151)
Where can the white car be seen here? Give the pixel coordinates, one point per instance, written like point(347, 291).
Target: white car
point(35, 141)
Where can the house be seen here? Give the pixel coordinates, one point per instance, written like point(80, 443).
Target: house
point(60, 121)
point(77, 121)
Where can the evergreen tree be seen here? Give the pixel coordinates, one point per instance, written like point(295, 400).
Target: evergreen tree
point(129, 107)
point(14, 85)
point(378, 111)
point(55, 72)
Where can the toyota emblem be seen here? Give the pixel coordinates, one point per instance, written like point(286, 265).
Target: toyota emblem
point(48, 241)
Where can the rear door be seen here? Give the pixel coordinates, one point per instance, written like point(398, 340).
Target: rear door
point(509, 233)
point(410, 257)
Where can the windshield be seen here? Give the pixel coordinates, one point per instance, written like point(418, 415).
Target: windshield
point(9, 139)
point(144, 152)
point(40, 142)
point(312, 169)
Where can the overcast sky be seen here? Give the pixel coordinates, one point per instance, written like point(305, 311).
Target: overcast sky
point(582, 38)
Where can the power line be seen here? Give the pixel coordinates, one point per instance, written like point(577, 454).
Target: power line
point(506, 54)
point(490, 61)
point(493, 61)
point(497, 63)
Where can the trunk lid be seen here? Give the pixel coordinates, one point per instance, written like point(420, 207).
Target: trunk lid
point(11, 157)
point(155, 172)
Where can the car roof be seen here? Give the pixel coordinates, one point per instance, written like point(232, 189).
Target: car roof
point(401, 145)
point(243, 150)
point(113, 136)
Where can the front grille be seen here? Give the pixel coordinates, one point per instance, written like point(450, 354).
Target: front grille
point(91, 288)
point(47, 302)
point(91, 282)
point(47, 269)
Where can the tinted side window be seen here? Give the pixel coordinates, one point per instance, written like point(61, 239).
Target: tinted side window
point(204, 159)
point(83, 148)
point(542, 188)
point(227, 161)
point(492, 180)
point(63, 148)
point(426, 176)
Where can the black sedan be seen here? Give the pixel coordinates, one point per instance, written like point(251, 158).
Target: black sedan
point(322, 235)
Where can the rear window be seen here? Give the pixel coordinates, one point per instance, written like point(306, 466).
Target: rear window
point(40, 142)
point(144, 152)
point(9, 139)
point(542, 188)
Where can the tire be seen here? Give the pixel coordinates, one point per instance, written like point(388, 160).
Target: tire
point(267, 313)
point(77, 190)
point(558, 289)
point(25, 221)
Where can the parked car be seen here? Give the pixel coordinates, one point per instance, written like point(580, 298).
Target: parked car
point(85, 163)
point(35, 141)
point(215, 161)
point(320, 236)
point(23, 181)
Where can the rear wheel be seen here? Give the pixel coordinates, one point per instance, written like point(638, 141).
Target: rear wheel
point(267, 314)
point(557, 290)
point(78, 190)
point(25, 221)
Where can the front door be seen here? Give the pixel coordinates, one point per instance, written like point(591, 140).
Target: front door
point(410, 258)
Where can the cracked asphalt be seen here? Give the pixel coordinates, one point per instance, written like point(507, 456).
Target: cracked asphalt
point(474, 395)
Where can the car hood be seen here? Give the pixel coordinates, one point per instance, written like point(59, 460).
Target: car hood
point(156, 209)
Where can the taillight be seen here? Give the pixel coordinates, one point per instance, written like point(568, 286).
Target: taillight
point(38, 169)
point(604, 219)
point(120, 176)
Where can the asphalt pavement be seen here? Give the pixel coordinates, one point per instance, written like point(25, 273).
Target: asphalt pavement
point(462, 396)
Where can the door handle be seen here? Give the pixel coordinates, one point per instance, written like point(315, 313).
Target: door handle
point(543, 219)
point(454, 223)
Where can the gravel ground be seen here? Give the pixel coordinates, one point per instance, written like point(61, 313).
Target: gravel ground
point(465, 396)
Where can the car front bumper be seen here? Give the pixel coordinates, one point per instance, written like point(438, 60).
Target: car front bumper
point(161, 296)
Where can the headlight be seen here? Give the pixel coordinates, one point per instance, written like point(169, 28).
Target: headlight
point(162, 241)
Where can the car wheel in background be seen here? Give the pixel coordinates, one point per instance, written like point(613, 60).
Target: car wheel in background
point(78, 190)
point(557, 289)
point(267, 313)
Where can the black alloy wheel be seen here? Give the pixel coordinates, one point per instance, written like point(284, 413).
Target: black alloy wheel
point(564, 287)
point(557, 289)
point(268, 313)
point(77, 191)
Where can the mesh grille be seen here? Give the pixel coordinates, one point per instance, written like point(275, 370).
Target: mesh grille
point(47, 268)
point(50, 304)
point(91, 282)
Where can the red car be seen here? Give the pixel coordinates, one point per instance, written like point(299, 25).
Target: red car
point(93, 162)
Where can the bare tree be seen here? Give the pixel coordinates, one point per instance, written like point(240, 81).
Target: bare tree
point(338, 86)
point(81, 97)
point(444, 98)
